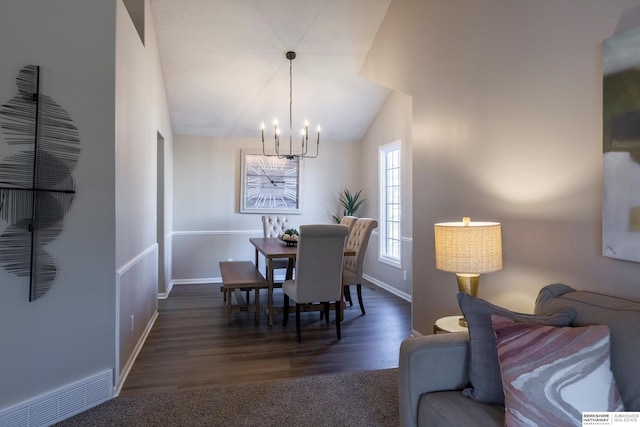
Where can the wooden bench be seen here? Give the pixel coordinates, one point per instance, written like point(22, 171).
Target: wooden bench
point(238, 276)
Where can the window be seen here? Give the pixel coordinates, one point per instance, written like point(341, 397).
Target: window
point(389, 173)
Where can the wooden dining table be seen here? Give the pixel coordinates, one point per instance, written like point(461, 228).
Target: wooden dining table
point(274, 248)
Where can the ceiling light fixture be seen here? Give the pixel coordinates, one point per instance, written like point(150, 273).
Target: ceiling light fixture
point(304, 133)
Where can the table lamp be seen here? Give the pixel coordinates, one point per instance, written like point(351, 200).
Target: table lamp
point(468, 249)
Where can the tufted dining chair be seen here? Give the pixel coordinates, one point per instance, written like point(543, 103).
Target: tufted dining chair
point(275, 226)
point(352, 268)
point(318, 271)
point(349, 221)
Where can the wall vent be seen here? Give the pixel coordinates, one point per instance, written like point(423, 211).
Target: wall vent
point(60, 404)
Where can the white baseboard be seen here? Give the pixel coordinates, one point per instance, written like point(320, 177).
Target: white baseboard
point(196, 281)
point(165, 295)
point(134, 354)
point(60, 404)
point(405, 296)
point(200, 281)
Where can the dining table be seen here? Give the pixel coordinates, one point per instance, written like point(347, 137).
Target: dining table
point(275, 248)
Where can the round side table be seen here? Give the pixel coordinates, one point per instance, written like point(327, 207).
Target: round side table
point(448, 324)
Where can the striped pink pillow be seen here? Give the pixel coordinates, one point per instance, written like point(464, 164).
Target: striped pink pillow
point(551, 375)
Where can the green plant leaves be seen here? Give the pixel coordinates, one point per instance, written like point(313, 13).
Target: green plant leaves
point(350, 203)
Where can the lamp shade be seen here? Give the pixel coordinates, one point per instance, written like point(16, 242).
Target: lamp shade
point(468, 247)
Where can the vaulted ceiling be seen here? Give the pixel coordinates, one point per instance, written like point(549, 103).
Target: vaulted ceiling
point(225, 68)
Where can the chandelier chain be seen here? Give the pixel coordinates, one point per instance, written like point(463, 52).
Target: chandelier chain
point(290, 103)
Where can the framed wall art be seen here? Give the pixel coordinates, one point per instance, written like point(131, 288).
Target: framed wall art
point(621, 146)
point(269, 184)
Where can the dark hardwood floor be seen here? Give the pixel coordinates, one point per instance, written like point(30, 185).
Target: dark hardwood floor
point(191, 345)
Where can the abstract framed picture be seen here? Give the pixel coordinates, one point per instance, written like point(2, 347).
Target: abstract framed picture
point(621, 146)
point(269, 184)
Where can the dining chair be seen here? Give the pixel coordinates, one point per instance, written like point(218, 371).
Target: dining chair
point(318, 271)
point(349, 221)
point(275, 226)
point(353, 265)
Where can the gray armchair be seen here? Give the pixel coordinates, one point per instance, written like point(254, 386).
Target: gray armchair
point(318, 271)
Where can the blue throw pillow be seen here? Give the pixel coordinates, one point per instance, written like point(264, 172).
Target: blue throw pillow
point(484, 368)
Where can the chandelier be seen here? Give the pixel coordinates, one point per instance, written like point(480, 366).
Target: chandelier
point(304, 146)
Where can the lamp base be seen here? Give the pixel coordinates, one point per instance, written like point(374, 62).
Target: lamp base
point(468, 283)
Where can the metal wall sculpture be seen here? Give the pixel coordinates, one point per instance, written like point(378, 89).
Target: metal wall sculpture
point(36, 185)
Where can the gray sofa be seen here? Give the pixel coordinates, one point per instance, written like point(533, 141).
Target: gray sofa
point(433, 369)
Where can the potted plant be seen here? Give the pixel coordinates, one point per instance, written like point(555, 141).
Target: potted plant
point(350, 204)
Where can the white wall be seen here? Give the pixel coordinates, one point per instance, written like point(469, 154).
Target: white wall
point(141, 112)
point(507, 126)
point(208, 227)
point(67, 334)
point(392, 123)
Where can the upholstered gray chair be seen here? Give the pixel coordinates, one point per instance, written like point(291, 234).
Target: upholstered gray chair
point(352, 271)
point(349, 221)
point(275, 226)
point(318, 271)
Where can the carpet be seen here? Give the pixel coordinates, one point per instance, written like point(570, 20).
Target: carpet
point(367, 398)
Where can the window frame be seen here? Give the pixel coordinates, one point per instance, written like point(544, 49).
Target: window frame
point(385, 254)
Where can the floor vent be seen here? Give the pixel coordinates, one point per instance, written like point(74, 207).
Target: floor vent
point(60, 404)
